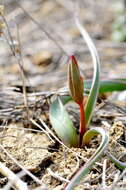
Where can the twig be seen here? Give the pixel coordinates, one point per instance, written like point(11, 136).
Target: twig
point(117, 180)
point(20, 63)
point(21, 128)
point(104, 174)
point(36, 124)
point(15, 180)
point(42, 29)
point(57, 139)
point(9, 184)
point(41, 188)
point(22, 167)
point(19, 59)
point(57, 176)
point(10, 36)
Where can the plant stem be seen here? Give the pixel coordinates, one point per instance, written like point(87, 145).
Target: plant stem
point(82, 129)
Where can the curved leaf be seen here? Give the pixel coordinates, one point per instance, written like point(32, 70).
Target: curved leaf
point(109, 85)
point(118, 163)
point(95, 82)
point(83, 171)
point(62, 124)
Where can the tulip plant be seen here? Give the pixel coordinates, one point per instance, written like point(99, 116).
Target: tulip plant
point(60, 119)
point(58, 115)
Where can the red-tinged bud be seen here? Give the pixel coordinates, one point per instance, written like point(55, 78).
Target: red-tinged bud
point(76, 84)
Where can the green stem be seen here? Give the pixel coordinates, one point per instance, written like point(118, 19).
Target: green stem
point(82, 129)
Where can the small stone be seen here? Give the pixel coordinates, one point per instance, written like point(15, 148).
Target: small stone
point(74, 32)
point(42, 58)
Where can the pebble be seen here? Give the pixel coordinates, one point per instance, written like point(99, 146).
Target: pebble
point(42, 58)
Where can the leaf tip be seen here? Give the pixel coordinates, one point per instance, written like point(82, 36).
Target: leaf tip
point(73, 59)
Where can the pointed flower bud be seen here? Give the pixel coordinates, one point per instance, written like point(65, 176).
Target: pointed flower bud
point(76, 84)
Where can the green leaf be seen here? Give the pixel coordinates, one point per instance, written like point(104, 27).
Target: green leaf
point(109, 85)
point(83, 171)
point(118, 163)
point(89, 107)
point(62, 124)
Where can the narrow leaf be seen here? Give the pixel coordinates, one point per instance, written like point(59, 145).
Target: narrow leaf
point(109, 85)
point(83, 171)
point(96, 63)
point(62, 124)
point(118, 163)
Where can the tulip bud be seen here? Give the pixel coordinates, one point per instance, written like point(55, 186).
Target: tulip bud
point(76, 84)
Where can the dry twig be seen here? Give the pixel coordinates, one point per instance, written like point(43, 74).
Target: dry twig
point(14, 179)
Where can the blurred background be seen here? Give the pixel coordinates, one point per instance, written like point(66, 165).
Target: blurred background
point(42, 33)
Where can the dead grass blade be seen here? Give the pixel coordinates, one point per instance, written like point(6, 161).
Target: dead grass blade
point(13, 178)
